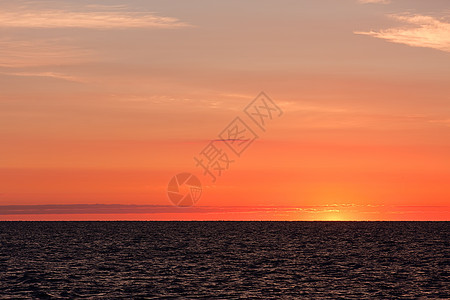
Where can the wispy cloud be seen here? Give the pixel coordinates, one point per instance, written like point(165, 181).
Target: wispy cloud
point(445, 122)
point(422, 31)
point(54, 75)
point(374, 1)
point(37, 52)
point(297, 106)
point(89, 19)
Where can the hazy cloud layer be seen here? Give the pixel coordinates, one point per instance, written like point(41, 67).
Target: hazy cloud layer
point(375, 1)
point(158, 209)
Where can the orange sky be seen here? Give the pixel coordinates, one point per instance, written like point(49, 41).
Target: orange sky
point(102, 103)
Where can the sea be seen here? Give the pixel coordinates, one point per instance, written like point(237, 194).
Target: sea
point(224, 260)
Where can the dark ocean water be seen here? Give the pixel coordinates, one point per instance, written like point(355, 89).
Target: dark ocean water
point(224, 260)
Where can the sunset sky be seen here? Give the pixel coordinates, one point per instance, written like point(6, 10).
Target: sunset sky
point(101, 103)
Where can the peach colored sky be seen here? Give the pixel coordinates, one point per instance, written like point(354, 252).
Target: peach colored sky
point(103, 102)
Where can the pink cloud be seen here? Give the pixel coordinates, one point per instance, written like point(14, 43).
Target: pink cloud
point(421, 31)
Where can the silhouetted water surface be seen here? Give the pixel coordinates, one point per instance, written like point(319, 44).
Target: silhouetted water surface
point(224, 260)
